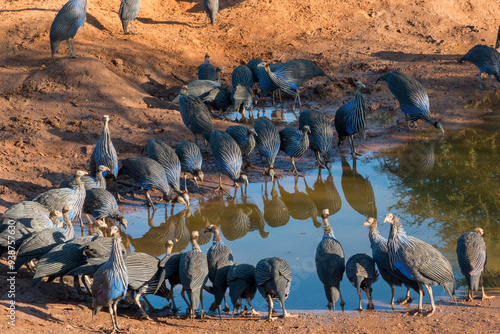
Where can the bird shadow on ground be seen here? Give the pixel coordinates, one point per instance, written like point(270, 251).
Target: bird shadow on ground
point(95, 22)
point(33, 312)
point(413, 57)
point(32, 187)
point(148, 20)
point(28, 9)
point(160, 96)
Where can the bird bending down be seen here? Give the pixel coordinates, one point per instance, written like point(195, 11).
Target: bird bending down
point(412, 97)
point(471, 253)
point(486, 59)
point(273, 277)
point(191, 160)
point(320, 137)
point(68, 20)
point(268, 143)
point(294, 143)
point(419, 261)
point(195, 115)
point(330, 263)
point(245, 138)
point(129, 9)
point(110, 281)
point(350, 119)
point(241, 282)
point(227, 156)
point(290, 76)
point(380, 254)
point(361, 272)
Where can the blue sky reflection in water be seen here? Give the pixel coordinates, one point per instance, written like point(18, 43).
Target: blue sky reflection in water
point(427, 184)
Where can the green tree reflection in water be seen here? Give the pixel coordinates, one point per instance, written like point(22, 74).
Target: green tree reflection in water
point(455, 184)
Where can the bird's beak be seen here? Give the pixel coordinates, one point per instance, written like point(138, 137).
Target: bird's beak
point(124, 223)
point(366, 223)
point(208, 229)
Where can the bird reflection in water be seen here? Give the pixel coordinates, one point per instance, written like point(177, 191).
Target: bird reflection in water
point(324, 194)
point(299, 204)
point(358, 190)
point(276, 212)
point(414, 161)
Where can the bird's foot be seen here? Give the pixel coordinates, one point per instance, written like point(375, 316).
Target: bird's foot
point(257, 313)
point(146, 317)
point(226, 309)
point(370, 306)
point(271, 319)
point(486, 297)
point(119, 198)
point(289, 315)
point(359, 309)
point(220, 188)
point(175, 309)
point(74, 55)
point(405, 301)
point(469, 299)
point(430, 313)
point(416, 312)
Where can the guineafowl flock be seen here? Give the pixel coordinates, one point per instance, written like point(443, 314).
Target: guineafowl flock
point(42, 228)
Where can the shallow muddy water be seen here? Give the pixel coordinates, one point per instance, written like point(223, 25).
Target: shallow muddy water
point(439, 189)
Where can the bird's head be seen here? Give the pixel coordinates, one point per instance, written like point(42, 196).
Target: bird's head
point(114, 231)
point(55, 213)
point(359, 84)
point(439, 126)
point(479, 231)
point(195, 235)
point(306, 129)
point(68, 208)
point(185, 197)
point(244, 179)
point(207, 56)
point(200, 175)
point(325, 214)
point(220, 68)
point(390, 218)
point(123, 222)
point(251, 131)
point(105, 118)
point(211, 228)
point(80, 173)
point(262, 64)
point(100, 223)
point(184, 90)
point(103, 168)
point(370, 222)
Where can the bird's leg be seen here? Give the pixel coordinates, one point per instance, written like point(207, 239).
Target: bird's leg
point(115, 327)
point(433, 306)
point(72, 48)
point(480, 81)
point(119, 198)
point(295, 171)
point(174, 307)
point(185, 183)
point(353, 149)
point(226, 308)
point(484, 297)
point(138, 302)
point(253, 310)
point(360, 308)
point(87, 284)
point(183, 295)
point(220, 182)
point(132, 30)
point(370, 305)
point(470, 296)
point(420, 297)
point(270, 308)
point(342, 302)
point(116, 315)
point(408, 298)
point(393, 292)
point(196, 182)
point(149, 202)
point(201, 302)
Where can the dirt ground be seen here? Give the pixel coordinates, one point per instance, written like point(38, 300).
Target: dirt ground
point(51, 115)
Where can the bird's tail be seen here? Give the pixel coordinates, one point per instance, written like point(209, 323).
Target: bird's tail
point(333, 294)
point(125, 26)
point(473, 282)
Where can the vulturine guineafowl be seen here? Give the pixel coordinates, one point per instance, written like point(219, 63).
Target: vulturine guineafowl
point(227, 155)
point(390, 274)
point(330, 263)
point(361, 272)
point(419, 261)
point(471, 253)
point(412, 97)
point(68, 20)
point(191, 160)
point(350, 119)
